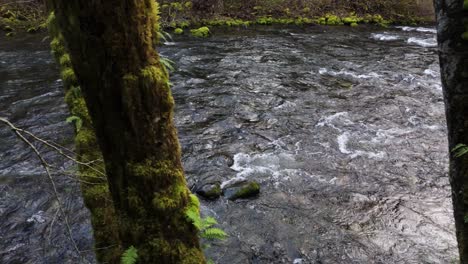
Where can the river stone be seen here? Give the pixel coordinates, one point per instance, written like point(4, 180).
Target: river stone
point(242, 190)
point(210, 191)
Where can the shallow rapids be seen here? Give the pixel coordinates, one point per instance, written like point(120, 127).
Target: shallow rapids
point(344, 129)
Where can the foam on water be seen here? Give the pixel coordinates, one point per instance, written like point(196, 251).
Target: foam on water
point(427, 43)
point(343, 140)
point(419, 29)
point(431, 73)
point(328, 121)
point(277, 166)
point(384, 36)
point(370, 75)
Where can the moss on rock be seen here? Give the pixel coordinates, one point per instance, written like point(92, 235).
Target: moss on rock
point(242, 190)
point(202, 32)
point(178, 31)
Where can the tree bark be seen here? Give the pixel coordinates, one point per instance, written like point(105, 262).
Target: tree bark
point(93, 184)
point(453, 53)
point(126, 89)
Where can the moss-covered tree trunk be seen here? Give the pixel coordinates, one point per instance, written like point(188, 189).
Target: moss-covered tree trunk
point(126, 89)
point(93, 182)
point(452, 20)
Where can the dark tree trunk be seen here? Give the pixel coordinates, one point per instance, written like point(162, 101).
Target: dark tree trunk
point(452, 20)
point(127, 93)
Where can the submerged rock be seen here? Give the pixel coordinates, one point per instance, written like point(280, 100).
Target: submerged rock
point(210, 191)
point(242, 190)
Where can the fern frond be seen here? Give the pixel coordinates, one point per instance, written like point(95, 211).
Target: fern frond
point(194, 217)
point(460, 150)
point(213, 233)
point(130, 256)
point(164, 36)
point(208, 222)
point(169, 64)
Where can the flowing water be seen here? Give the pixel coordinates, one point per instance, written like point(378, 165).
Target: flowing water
point(343, 128)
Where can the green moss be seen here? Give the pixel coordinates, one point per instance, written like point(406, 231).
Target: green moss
point(178, 31)
point(322, 21)
point(177, 249)
point(333, 20)
point(354, 24)
point(68, 76)
point(465, 5)
point(184, 24)
point(57, 47)
point(84, 139)
point(65, 61)
point(265, 20)
point(10, 34)
point(202, 32)
point(215, 192)
point(350, 20)
point(96, 193)
point(251, 189)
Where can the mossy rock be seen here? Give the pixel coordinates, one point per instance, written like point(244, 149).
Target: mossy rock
point(210, 191)
point(10, 34)
point(354, 24)
point(178, 31)
point(242, 190)
point(202, 32)
point(333, 20)
point(350, 20)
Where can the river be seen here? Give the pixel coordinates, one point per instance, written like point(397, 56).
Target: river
point(343, 128)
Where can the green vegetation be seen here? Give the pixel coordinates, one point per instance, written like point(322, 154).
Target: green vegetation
point(178, 31)
point(29, 16)
point(26, 16)
point(202, 32)
point(247, 191)
point(130, 256)
point(203, 225)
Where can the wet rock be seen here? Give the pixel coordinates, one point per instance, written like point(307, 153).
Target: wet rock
point(210, 191)
point(242, 190)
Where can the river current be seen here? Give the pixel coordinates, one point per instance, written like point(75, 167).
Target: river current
point(343, 128)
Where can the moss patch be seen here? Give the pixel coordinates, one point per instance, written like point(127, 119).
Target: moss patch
point(178, 31)
point(242, 190)
point(202, 32)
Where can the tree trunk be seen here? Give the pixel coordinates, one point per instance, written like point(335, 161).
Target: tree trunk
point(453, 52)
point(93, 183)
point(127, 93)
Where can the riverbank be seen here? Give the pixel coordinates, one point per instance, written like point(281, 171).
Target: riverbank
point(30, 16)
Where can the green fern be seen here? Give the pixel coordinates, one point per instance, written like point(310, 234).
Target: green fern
point(164, 36)
point(194, 217)
point(203, 225)
point(460, 150)
point(213, 233)
point(169, 64)
point(75, 120)
point(130, 256)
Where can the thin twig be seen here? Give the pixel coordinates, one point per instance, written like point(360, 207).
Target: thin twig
point(52, 225)
point(60, 151)
point(46, 166)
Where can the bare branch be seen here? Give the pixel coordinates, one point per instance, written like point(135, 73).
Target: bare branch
point(46, 166)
